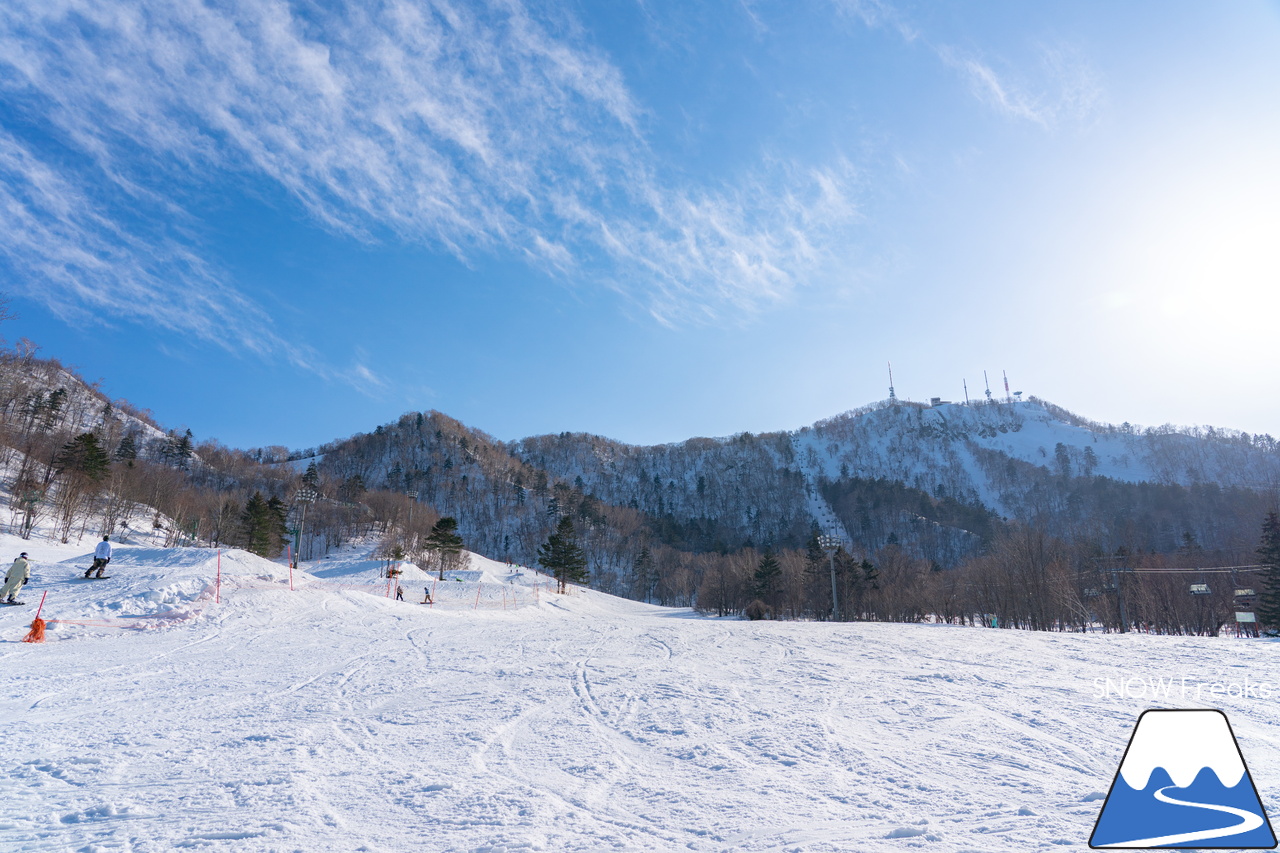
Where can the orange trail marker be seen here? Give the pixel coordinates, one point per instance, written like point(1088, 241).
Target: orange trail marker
point(36, 634)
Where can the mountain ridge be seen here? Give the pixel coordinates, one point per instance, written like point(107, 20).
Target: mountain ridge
point(939, 479)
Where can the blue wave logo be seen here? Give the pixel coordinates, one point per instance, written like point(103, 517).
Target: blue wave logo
point(1183, 783)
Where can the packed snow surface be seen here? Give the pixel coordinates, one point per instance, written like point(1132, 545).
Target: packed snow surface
point(166, 711)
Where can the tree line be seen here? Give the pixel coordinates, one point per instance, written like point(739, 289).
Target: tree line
point(678, 525)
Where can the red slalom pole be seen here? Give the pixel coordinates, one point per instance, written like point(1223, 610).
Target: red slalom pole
point(217, 589)
point(477, 604)
point(41, 607)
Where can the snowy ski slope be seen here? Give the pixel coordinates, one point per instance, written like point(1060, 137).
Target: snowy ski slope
point(509, 719)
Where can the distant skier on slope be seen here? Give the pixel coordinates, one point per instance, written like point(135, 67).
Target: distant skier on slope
point(19, 573)
point(101, 556)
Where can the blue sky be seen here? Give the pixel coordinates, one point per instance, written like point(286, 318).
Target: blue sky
point(283, 223)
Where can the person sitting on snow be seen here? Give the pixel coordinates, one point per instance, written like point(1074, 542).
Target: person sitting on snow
point(101, 556)
point(19, 573)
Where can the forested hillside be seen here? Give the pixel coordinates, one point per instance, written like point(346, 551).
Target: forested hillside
point(940, 510)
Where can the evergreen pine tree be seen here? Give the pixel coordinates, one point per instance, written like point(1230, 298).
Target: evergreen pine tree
point(84, 456)
point(312, 477)
point(562, 556)
point(177, 450)
point(643, 569)
point(185, 450)
point(52, 407)
point(127, 450)
point(255, 525)
point(1269, 556)
point(768, 579)
point(815, 559)
point(870, 574)
point(1090, 461)
point(276, 520)
point(444, 538)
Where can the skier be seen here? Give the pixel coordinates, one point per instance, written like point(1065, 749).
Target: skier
point(19, 573)
point(101, 556)
point(399, 593)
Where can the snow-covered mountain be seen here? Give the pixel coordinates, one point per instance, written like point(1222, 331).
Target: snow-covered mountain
point(962, 448)
point(41, 396)
point(938, 478)
point(886, 469)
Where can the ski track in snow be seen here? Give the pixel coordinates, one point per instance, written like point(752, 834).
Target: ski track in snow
point(333, 719)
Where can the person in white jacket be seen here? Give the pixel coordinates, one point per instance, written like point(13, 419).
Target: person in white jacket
point(19, 573)
point(101, 556)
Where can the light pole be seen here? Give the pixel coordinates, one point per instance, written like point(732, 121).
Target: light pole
point(831, 544)
point(304, 497)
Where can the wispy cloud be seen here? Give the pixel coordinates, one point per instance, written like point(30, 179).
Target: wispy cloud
point(88, 268)
point(62, 248)
point(878, 13)
point(724, 243)
point(471, 127)
point(1060, 87)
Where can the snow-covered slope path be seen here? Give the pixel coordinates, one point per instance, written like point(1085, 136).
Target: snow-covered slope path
point(338, 720)
point(819, 509)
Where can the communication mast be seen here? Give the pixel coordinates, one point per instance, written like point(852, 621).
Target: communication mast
point(892, 396)
point(1007, 395)
point(988, 383)
point(966, 391)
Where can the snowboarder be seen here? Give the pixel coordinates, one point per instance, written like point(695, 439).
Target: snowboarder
point(399, 593)
point(101, 556)
point(19, 573)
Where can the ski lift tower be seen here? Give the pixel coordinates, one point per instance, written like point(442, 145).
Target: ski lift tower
point(302, 498)
point(831, 544)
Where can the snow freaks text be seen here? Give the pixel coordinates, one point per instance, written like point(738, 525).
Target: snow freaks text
point(1181, 687)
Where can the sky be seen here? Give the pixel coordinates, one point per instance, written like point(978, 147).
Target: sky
point(282, 223)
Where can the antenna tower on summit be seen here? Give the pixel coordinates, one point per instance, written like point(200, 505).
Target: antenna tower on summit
point(966, 390)
point(988, 383)
point(892, 396)
point(1007, 395)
